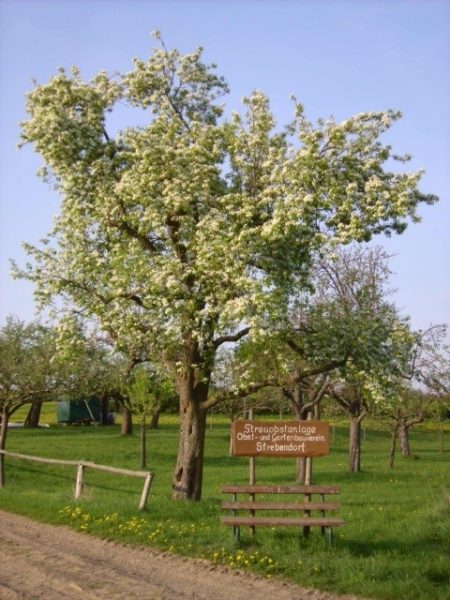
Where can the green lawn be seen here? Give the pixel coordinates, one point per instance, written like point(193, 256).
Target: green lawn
point(396, 542)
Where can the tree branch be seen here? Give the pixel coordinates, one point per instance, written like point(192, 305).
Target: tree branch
point(237, 394)
point(362, 414)
point(133, 296)
point(287, 394)
point(294, 346)
point(324, 368)
point(414, 421)
point(339, 399)
point(231, 338)
point(145, 242)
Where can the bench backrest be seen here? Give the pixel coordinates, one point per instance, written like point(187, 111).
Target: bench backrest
point(280, 489)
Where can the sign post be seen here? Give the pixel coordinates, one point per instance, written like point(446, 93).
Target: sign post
point(252, 474)
point(252, 462)
point(280, 438)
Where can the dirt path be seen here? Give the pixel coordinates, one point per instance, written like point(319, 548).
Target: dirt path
point(39, 561)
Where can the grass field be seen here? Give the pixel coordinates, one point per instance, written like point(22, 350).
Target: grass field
point(395, 545)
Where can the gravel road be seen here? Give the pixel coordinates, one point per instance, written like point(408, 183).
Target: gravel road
point(39, 561)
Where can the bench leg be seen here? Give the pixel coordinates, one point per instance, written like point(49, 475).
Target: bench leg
point(252, 514)
point(307, 513)
point(322, 496)
point(330, 536)
point(237, 533)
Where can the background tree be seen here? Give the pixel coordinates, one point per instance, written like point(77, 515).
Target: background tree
point(33, 415)
point(29, 372)
point(439, 413)
point(95, 367)
point(354, 398)
point(177, 232)
point(353, 289)
point(408, 409)
point(361, 389)
point(420, 385)
point(342, 330)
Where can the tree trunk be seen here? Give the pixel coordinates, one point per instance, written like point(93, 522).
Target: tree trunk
point(3, 431)
point(143, 444)
point(187, 477)
point(317, 411)
point(403, 433)
point(297, 406)
point(34, 414)
point(127, 421)
point(304, 463)
point(392, 448)
point(154, 422)
point(354, 454)
point(105, 410)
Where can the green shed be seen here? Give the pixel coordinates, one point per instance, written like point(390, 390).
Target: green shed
point(87, 410)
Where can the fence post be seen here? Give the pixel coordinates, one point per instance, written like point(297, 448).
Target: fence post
point(80, 481)
point(145, 491)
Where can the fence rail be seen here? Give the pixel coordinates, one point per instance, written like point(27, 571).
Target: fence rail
point(82, 465)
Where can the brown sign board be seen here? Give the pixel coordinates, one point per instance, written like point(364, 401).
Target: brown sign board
point(280, 438)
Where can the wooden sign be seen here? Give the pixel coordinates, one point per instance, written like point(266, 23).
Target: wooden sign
point(280, 438)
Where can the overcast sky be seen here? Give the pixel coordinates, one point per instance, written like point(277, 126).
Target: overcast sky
point(337, 57)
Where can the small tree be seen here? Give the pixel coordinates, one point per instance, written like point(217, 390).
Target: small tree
point(142, 402)
point(147, 393)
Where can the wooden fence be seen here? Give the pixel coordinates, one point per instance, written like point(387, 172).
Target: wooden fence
point(82, 465)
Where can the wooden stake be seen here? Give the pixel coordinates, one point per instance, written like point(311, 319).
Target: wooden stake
point(145, 491)
point(80, 481)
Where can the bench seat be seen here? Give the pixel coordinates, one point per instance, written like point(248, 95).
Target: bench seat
point(282, 521)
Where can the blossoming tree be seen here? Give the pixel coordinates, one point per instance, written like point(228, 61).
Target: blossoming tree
point(188, 232)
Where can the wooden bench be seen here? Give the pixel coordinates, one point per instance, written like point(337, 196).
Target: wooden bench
point(289, 516)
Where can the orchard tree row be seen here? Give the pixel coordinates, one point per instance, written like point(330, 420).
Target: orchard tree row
point(200, 230)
